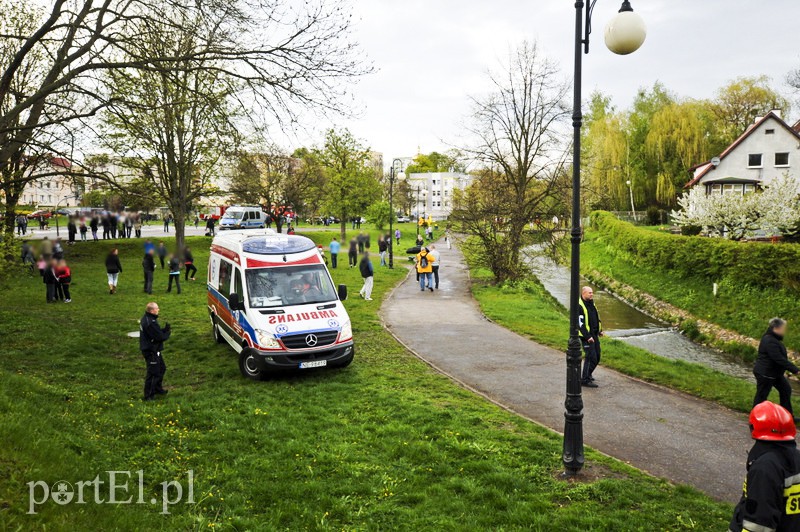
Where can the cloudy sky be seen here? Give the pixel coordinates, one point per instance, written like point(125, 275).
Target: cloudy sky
point(430, 55)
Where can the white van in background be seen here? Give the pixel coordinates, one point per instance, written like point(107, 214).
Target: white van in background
point(238, 217)
point(271, 297)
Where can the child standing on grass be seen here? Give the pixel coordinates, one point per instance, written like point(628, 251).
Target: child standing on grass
point(64, 276)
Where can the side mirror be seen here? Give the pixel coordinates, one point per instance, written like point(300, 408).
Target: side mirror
point(342, 292)
point(235, 302)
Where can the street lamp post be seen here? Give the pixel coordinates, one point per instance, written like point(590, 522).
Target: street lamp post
point(419, 214)
point(624, 34)
point(391, 211)
point(633, 208)
point(58, 234)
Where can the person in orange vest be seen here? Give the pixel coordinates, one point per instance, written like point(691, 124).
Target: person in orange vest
point(424, 263)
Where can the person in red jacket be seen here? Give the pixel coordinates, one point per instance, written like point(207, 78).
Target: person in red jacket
point(64, 276)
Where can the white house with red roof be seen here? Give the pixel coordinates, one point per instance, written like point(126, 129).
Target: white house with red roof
point(767, 150)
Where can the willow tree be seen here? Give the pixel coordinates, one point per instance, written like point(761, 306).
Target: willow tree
point(605, 152)
point(677, 139)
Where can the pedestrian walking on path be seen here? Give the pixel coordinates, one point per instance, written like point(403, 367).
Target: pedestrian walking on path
point(368, 274)
point(771, 495)
point(772, 364)
point(425, 269)
point(436, 257)
point(590, 329)
point(352, 253)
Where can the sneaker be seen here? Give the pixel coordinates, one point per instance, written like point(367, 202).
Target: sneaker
point(367, 299)
point(67, 301)
point(588, 384)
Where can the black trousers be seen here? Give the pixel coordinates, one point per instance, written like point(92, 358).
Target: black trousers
point(65, 290)
point(148, 282)
point(161, 258)
point(155, 374)
point(352, 258)
point(51, 292)
point(190, 267)
point(436, 276)
point(334, 260)
point(177, 279)
point(764, 385)
point(592, 360)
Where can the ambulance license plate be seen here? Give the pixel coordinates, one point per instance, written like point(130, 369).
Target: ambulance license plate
point(313, 364)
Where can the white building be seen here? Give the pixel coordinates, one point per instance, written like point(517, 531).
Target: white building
point(767, 150)
point(55, 187)
point(434, 192)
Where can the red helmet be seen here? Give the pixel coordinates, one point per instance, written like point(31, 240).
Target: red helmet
point(770, 422)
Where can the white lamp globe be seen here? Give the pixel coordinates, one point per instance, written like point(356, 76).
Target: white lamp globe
point(625, 33)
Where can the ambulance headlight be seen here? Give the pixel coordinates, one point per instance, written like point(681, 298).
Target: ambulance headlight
point(347, 331)
point(267, 340)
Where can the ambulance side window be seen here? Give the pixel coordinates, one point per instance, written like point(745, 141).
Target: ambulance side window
point(225, 278)
point(237, 284)
point(245, 216)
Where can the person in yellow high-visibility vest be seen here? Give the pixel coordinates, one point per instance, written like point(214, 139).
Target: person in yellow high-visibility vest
point(590, 329)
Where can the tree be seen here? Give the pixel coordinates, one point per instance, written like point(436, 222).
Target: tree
point(351, 184)
point(742, 100)
point(404, 196)
point(236, 68)
point(435, 162)
point(519, 127)
point(379, 214)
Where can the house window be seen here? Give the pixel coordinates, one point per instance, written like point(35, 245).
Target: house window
point(749, 189)
point(782, 159)
point(754, 160)
point(769, 131)
point(715, 189)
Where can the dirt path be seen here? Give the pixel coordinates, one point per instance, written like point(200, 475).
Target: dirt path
point(665, 433)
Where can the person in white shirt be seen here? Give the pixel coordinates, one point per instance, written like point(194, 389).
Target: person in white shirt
point(437, 260)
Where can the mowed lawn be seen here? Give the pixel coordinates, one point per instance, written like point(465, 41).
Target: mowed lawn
point(384, 444)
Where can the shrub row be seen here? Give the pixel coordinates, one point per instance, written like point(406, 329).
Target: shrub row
point(751, 263)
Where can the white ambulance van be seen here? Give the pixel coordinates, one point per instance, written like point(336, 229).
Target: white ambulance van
point(272, 299)
point(237, 217)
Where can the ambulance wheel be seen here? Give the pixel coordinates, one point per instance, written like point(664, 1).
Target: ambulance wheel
point(249, 366)
point(215, 330)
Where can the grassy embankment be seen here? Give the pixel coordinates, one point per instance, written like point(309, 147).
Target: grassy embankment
point(384, 444)
point(529, 309)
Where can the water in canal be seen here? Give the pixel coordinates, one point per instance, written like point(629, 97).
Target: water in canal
point(628, 324)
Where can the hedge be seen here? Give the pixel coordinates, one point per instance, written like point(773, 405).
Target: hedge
point(752, 263)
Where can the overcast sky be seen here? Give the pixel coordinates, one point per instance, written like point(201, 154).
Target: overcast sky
point(430, 55)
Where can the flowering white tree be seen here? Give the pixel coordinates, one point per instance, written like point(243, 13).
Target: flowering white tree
point(775, 209)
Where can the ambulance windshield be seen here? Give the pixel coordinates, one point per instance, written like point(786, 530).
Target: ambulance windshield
point(289, 285)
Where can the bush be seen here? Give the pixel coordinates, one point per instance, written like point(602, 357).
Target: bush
point(691, 230)
point(653, 215)
point(745, 263)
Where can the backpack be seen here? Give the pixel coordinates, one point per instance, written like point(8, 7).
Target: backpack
point(423, 261)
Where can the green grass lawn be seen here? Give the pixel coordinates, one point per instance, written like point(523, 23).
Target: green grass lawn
point(530, 310)
point(384, 444)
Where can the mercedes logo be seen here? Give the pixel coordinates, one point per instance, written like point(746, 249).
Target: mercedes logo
point(311, 340)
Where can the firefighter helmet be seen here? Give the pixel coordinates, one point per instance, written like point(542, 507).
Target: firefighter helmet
point(771, 422)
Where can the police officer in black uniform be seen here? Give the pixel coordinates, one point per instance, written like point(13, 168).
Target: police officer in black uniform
point(151, 342)
point(771, 494)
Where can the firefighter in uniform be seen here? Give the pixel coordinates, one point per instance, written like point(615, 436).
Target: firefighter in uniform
point(771, 494)
point(590, 329)
point(151, 342)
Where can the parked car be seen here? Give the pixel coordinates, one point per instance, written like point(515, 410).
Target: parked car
point(41, 213)
point(403, 219)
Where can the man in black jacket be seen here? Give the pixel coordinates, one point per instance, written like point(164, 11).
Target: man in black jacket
point(149, 266)
point(590, 329)
point(772, 364)
point(151, 342)
point(771, 492)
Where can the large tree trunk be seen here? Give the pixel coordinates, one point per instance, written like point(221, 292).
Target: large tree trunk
point(179, 222)
point(343, 230)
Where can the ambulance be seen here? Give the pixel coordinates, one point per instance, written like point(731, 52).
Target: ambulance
point(238, 217)
point(272, 299)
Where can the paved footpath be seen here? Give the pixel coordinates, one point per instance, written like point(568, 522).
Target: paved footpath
point(665, 433)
